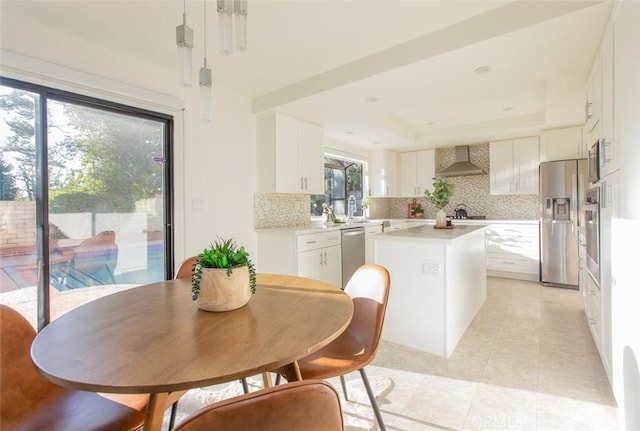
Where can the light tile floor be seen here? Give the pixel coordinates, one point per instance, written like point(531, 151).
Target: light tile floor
point(527, 362)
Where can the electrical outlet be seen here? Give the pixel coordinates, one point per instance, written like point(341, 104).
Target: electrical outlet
point(431, 268)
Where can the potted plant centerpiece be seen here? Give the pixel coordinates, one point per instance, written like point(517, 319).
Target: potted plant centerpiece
point(224, 278)
point(442, 193)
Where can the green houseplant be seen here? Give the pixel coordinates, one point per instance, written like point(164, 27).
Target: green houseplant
point(442, 193)
point(224, 277)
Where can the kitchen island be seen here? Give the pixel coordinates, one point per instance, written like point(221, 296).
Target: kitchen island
point(438, 284)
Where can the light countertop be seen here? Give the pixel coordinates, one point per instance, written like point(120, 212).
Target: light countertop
point(458, 223)
point(428, 232)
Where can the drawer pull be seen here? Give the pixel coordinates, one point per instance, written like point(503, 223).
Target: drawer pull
point(311, 242)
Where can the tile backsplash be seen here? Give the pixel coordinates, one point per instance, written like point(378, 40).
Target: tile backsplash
point(473, 191)
point(272, 210)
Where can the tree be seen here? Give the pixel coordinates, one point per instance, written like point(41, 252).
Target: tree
point(19, 115)
point(118, 157)
point(21, 118)
point(8, 189)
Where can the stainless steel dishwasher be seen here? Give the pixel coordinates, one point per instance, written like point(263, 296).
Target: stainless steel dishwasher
point(352, 251)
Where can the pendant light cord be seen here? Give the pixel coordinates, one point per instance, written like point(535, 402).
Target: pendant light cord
point(205, 32)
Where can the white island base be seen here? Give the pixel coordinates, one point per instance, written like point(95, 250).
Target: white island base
point(438, 284)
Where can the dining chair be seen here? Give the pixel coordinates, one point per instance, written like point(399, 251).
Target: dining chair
point(92, 263)
point(356, 347)
point(30, 402)
point(311, 405)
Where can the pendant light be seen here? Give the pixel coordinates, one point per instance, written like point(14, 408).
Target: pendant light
point(240, 25)
point(225, 26)
point(184, 41)
point(206, 100)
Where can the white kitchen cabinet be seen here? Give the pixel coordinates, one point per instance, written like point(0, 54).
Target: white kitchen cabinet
point(514, 166)
point(416, 172)
point(610, 210)
point(592, 308)
point(321, 264)
point(562, 144)
point(383, 173)
point(369, 233)
point(314, 255)
point(592, 105)
point(513, 251)
point(290, 155)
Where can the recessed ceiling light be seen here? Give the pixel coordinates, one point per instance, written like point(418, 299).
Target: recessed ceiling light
point(482, 70)
point(431, 123)
point(348, 132)
point(376, 143)
point(508, 108)
point(371, 99)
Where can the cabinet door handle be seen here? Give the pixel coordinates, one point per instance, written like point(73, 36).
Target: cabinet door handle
point(306, 185)
point(320, 258)
point(587, 110)
point(301, 183)
point(325, 257)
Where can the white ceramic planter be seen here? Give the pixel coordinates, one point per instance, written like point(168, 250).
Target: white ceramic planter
point(441, 218)
point(222, 292)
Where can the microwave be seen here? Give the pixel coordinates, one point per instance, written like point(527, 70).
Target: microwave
point(595, 158)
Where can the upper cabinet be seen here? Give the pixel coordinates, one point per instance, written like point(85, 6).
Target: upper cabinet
point(416, 172)
point(383, 173)
point(593, 102)
point(562, 144)
point(514, 166)
point(290, 155)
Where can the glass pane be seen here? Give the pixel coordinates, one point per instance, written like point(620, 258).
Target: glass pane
point(343, 188)
point(18, 275)
point(105, 203)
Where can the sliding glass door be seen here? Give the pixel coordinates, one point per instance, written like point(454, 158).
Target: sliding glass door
point(86, 199)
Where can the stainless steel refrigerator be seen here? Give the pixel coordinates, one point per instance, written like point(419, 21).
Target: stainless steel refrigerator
point(562, 196)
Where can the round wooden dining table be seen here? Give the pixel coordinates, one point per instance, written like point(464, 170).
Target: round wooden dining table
point(154, 339)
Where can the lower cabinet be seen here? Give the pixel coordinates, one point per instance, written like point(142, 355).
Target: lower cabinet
point(592, 307)
point(513, 251)
point(322, 264)
point(309, 254)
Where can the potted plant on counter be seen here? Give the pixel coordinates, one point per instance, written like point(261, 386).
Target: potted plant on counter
point(224, 278)
point(442, 193)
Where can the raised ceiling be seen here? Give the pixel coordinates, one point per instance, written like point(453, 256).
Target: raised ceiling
point(321, 60)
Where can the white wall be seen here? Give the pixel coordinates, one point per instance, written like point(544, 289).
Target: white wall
point(214, 161)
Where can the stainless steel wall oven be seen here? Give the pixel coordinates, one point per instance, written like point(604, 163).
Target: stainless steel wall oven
point(592, 233)
point(595, 159)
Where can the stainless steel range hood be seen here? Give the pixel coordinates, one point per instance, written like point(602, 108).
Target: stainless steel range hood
point(462, 165)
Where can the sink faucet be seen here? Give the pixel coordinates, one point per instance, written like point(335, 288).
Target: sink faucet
point(352, 208)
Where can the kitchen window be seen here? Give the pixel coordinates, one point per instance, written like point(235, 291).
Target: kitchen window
point(342, 179)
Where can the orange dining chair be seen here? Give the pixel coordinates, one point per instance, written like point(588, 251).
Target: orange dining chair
point(94, 261)
point(356, 347)
point(29, 402)
point(311, 405)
